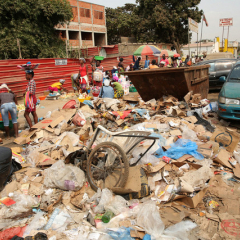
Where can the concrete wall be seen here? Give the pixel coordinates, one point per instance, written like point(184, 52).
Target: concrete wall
point(87, 17)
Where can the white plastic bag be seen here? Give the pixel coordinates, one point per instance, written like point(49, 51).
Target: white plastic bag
point(180, 230)
point(106, 198)
point(117, 205)
point(65, 177)
point(149, 219)
point(187, 133)
point(38, 222)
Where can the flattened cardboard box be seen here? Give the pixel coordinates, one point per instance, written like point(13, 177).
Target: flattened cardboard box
point(227, 139)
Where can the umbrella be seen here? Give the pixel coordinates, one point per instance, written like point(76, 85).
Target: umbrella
point(176, 55)
point(167, 53)
point(147, 50)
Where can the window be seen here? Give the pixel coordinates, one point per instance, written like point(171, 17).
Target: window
point(235, 75)
point(98, 15)
point(223, 66)
point(85, 12)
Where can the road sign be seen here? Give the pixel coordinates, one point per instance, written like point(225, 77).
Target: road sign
point(193, 26)
point(225, 22)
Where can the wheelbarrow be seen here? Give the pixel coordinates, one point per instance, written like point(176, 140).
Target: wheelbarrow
point(106, 158)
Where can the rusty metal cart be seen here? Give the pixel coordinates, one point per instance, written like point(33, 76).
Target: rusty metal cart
point(105, 159)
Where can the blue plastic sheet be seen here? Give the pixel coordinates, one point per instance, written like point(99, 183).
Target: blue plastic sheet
point(147, 237)
point(180, 148)
point(121, 234)
point(161, 141)
point(141, 112)
point(88, 102)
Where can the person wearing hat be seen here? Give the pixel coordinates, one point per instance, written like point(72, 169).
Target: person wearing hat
point(8, 104)
point(106, 91)
point(83, 72)
point(30, 98)
point(58, 87)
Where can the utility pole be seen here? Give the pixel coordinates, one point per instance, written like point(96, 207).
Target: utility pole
point(66, 47)
point(19, 48)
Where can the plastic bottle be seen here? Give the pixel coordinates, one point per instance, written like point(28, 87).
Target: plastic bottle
point(107, 216)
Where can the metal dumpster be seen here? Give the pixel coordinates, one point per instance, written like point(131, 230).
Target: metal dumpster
point(154, 83)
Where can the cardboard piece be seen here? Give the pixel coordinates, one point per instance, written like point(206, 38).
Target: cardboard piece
point(130, 98)
point(176, 132)
point(151, 169)
point(17, 149)
point(227, 139)
point(222, 158)
point(43, 160)
point(56, 121)
point(137, 234)
point(196, 98)
point(191, 202)
point(206, 150)
point(133, 183)
point(11, 187)
point(188, 97)
point(25, 137)
point(236, 170)
point(184, 158)
point(66, 113)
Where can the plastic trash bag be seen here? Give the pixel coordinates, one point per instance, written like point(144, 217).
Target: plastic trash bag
point(117, 205)
point(121, 234)
point(65, 177)
point(161, 141)
point(149, 219)
point(106, 198)
point(187, 133)
point(38, 222)
point(180, 230)
point(180, 148)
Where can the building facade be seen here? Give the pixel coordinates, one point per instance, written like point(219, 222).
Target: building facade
point(206, 48)
point(87, 28)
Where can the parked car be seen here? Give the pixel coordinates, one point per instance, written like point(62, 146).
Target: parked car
point(229, 96)
point(218, 68)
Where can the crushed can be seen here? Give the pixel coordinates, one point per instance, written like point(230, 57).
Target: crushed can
point(167, 159)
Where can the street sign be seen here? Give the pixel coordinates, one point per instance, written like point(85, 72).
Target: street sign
point(59, 62)
point(193, 26)
point(225, 22)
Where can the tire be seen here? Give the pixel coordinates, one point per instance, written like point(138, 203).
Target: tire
point(124, 176)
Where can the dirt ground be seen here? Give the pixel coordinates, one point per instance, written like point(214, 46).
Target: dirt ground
point(42, 110)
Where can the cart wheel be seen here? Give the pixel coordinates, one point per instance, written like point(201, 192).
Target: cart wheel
point(107, 166)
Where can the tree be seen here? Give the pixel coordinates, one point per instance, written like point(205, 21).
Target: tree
point(155, 21)
point(168, 19)
point(120, 22)
point(32, 22)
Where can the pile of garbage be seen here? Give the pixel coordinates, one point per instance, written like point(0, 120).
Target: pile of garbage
point(185, 187)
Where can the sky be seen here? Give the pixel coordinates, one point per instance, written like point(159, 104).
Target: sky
point(213, 9)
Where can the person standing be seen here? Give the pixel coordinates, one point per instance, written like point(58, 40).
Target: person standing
point(8, 104)
point(147, 62)
point(137, 64)
point(98, 68)
point(106, 91)
point(165, 60)
point(75, 82)
point(121, 66)
point(187, 60)
point(83, 73)
point(30, 98)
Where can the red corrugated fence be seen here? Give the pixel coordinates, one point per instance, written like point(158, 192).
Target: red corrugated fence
point(48, 72)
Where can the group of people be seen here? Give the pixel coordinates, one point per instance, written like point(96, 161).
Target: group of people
point(8, 104)
point(165, 61)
